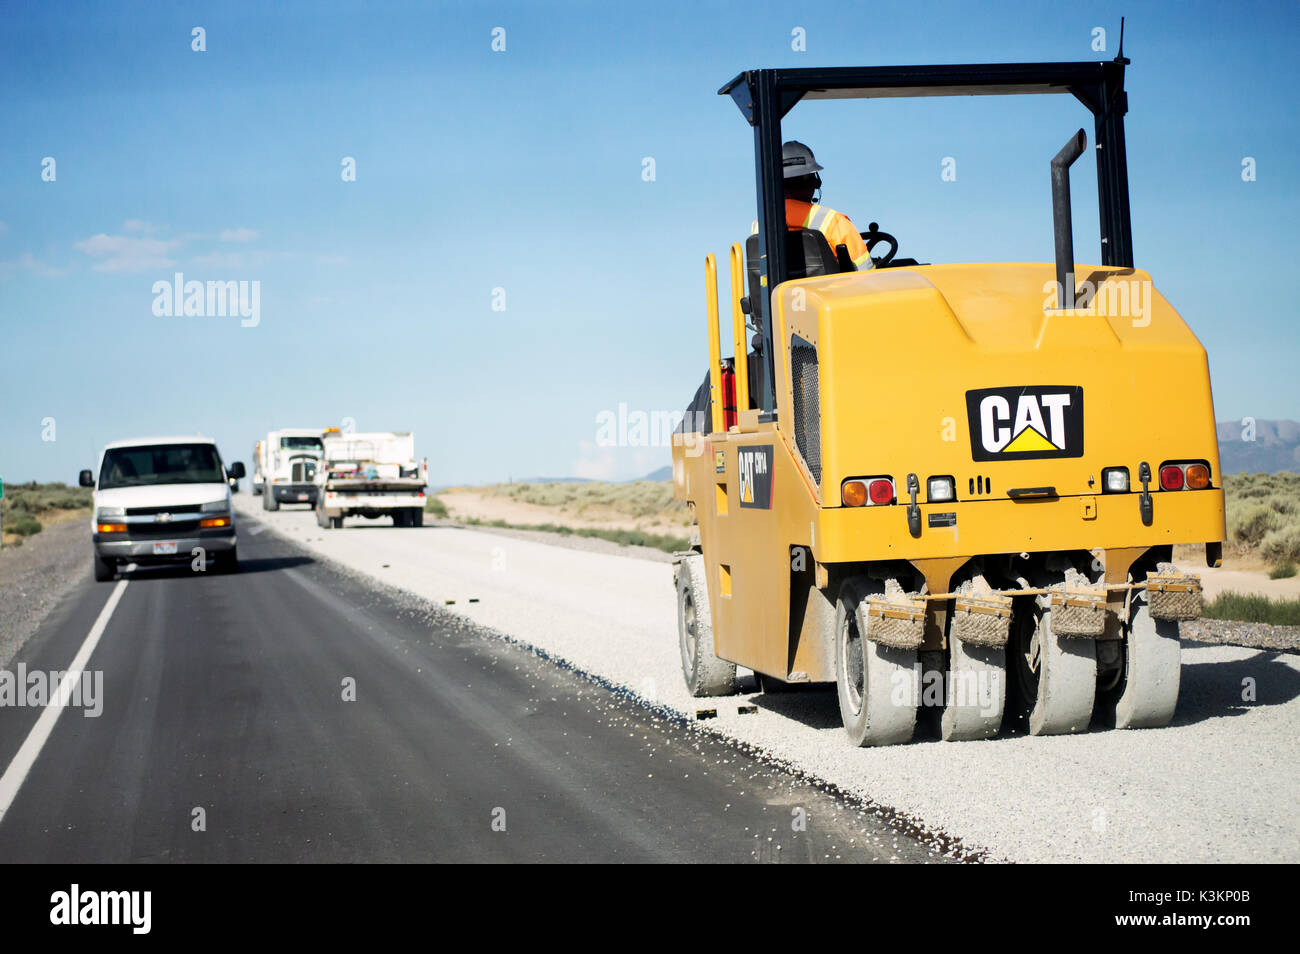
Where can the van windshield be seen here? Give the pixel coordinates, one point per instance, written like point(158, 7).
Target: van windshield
point(160, 464)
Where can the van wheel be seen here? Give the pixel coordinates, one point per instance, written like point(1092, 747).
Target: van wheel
point(105, 570)
point(705, 673)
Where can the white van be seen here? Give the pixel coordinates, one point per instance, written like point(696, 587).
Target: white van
point(162, 500)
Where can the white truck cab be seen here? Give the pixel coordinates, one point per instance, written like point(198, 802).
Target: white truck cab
point(162, 500)
point(287, 462)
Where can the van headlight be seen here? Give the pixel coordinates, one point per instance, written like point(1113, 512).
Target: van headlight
point(215, 506)
point(103, 512)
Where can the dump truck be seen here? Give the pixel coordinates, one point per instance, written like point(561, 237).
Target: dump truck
point(370, 475)
point(950, 490)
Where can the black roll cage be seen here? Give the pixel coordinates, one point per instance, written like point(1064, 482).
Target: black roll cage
point(765, 96)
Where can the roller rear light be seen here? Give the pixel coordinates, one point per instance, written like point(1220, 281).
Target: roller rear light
point(1185, 475)
point(867, 492)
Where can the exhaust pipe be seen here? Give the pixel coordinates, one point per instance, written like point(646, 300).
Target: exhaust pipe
point(1062, 226)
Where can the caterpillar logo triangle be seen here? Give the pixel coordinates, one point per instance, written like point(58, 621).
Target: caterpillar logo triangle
point(1019, 423)
point(1029, 440)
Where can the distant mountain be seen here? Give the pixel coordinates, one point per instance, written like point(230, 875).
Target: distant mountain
point(663, 473)
point(1276, 447)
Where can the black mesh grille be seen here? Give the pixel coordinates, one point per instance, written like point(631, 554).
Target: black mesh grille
point(147, 511)
point(807, 407)
point(169, 530)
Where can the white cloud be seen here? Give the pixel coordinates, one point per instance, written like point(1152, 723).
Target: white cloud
point(122, 253)
point(139, 227)
point(595, 464)
point(27, 262)
point(238, 235)
point(232, 259)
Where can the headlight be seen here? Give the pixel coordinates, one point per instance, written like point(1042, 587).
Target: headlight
point(215, 507)
point(109, 512)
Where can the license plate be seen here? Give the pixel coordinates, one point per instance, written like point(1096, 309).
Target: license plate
point(164, 548)
point(302, 496)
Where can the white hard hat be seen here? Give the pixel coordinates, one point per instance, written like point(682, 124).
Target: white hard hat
point(797, 160)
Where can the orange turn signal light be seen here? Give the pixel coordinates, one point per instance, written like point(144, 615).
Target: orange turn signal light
point(1198, 476)
point(853, 493)
point(111, 528)
point(213, 522)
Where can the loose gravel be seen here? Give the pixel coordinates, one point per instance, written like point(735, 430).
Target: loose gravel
point(34, 577)
point(1218, 785)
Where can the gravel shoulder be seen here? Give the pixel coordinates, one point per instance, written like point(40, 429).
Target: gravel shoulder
point(1205, 789)
point(35, 576)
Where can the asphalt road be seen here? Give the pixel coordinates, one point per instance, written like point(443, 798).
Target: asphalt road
point(226, 694)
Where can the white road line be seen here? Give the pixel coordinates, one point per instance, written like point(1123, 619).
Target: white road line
point(22, 762)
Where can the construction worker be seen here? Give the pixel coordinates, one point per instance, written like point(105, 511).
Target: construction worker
point(803, 211)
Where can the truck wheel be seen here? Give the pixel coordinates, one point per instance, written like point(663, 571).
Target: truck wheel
point(706, 674)
point(878, 686)
point(1148, 691)
point(1055, 677)
point(416, 518)
point(105, 570)
point(336, 523)
point(976, 692)
point(400, 518)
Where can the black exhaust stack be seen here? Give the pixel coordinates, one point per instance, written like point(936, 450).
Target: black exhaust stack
point(1061, 222)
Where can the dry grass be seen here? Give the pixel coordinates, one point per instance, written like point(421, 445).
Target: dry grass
point(29, 508)
point(641, 500)
point(1263, 512)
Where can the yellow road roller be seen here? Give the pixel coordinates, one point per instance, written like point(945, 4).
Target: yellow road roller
point(953, 491)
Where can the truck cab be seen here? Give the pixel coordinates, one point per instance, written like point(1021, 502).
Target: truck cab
point(287, 463)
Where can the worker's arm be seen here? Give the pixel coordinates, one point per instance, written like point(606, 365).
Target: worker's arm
point(840, 231)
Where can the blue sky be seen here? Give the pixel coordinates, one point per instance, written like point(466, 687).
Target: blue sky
point(522, 170)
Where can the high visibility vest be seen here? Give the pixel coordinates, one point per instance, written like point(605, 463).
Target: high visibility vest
point(834, 225)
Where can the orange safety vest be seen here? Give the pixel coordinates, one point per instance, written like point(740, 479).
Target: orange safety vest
point(834, 225)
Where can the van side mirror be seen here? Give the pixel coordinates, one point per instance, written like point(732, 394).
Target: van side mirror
point(86, 479)
point(237, 470)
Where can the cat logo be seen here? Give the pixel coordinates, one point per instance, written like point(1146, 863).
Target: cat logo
point(1031, 422)
point(754, 465)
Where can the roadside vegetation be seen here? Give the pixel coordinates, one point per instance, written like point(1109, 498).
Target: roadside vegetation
point(28, 508)
point(638, 500)
point(1253, 608)
point(1263, 512)
point(435, 507)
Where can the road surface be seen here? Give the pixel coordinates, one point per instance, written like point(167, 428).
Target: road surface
point(225, 735)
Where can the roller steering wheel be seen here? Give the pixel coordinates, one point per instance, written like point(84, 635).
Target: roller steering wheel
point(873, 237)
